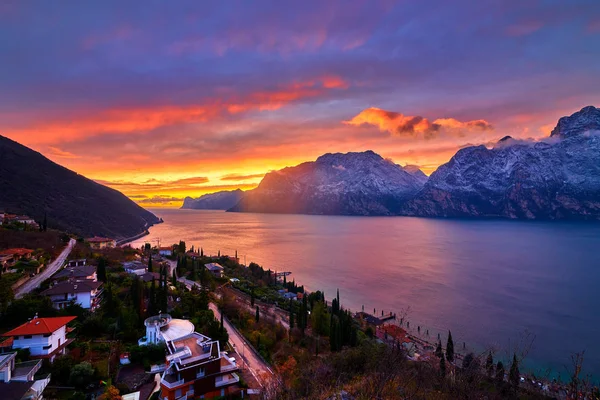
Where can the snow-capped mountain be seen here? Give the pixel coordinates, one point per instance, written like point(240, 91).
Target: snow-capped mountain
point(343, 184)
point(214, 201)
point(557, 178)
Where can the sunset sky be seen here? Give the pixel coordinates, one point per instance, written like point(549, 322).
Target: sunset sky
point(163, 100)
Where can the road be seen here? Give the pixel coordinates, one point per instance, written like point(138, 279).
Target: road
point(259, 369)
point(50, 270)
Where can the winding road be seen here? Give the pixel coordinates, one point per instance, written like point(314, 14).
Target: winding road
point(50, 270)
point(259, 369)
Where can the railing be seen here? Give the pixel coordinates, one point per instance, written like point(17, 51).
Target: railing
point(227, 381)
point(172, 385)
point(231, 367)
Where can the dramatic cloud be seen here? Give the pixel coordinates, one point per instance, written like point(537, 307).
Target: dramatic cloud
point(399, 124)
point(160, 200)
point(165, 100)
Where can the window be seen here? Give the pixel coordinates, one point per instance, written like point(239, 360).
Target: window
point(27, 337)
point(178, 393)
point(200, 373)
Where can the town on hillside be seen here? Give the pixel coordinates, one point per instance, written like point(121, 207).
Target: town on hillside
point(84, 318)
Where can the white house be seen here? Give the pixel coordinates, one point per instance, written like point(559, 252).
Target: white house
point(162, 328)
point(215, 269)
point(165, 251)
point(86, 293)
point(135, 267)
point(44, 337)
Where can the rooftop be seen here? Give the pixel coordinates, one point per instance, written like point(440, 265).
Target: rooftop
point(75, 272)
point(192, 349)
point(78, 286)
point(40, 326)
point(16, 251)
point(214, 267)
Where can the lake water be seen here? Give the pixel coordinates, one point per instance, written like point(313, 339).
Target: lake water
point(490, 282)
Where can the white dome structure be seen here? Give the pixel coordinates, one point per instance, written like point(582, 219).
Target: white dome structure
point(162, 327)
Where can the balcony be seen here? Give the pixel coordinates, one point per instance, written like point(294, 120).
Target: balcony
point(230, 367)
point(225, 380)
point(171, 381)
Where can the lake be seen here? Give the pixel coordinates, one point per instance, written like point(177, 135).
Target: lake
point(493, 283)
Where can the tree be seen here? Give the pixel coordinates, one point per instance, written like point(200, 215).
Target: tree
point(252, 297)
point(257, 317)
point(110, 393)
point(219, 254)
point(81, 375)
point(514, 375)
point(101, 270)
point(181, 247)
point(174, 278)
point(222, 326)
point(442, 366)
point(450, 348)
point(500, 372)
point(45, 223)
point(468, 361)
point(150, 263)
point(438, 350)
point(489, 365)
point(201, 252)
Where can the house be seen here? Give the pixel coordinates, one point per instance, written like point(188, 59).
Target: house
point(77, 263)
point(369, 319)
point(86, 293)
point(17, 380)
point(99, 243)
point(44, 337)
point(10, 257)
point(215, 269)
point(2, 215)
point(87, 272)
point(198, 369)
point(290, 295)
point(165, 251)
point(148, 276)
point(162, 328)
point(135, 267)
point(24, 219)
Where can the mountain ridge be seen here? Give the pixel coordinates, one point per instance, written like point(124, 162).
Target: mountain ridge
point(222, 200)
point(34, 185)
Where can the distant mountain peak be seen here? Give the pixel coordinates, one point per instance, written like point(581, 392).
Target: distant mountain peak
point(222, 200)
point(585, 120)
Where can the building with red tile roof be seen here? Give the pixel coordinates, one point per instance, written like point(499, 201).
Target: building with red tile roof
point(44, 337)
point(101, 243)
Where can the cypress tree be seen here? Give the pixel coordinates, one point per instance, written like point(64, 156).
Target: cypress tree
point(219, 254)
point(514, 375)
point(291, 319)
point(450, 348)
point(257, 317)
point(489, 365)
point(152, 300)
point(222, 325)
point(201, 252)
point(150, 263)
point(45, 223)
point(174, 278)
point(101, 270)
point(500, 373)
point(438, 350)
point(252, 297)
point(442, 366)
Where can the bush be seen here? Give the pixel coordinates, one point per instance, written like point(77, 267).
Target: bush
point(81, 375)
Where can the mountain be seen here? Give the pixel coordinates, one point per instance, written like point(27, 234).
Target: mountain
point(223, 200)
point(556, 178)
point(343, 184)
point(33, 185)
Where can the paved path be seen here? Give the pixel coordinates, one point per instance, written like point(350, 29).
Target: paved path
point(50, 270)
point(259, 369)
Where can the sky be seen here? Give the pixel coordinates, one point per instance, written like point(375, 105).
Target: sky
point(163, 100)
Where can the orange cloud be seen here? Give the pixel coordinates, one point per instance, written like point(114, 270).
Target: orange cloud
point(56, 152)
point(399, 124)
point(236, 177)
point(128, 120)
